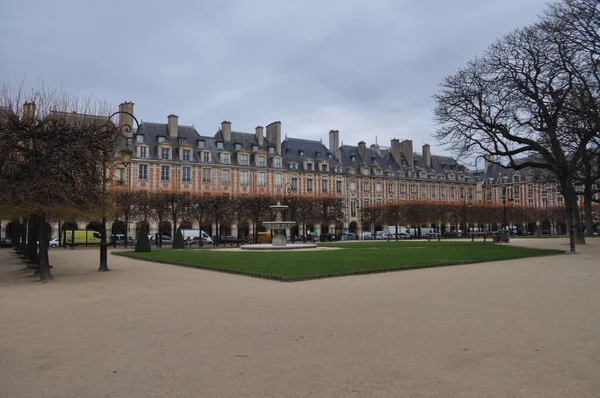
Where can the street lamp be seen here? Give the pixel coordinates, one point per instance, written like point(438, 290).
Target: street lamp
point(510, 200)
point(123, 130)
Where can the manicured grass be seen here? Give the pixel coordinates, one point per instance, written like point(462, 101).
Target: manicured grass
point(355, 258)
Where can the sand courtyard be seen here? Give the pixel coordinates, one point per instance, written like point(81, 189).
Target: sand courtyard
point(519, 328)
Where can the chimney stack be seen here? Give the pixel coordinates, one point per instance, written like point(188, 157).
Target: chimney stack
point(334, 143)
point(173, 125)
point(29, 110)
point(226, 130)
point(274, 135)
point(260, 135)
point(362, 151)
point(406, 147)
point(125, 119)
point(427, 155)
point(375, 147)
point(396, 151)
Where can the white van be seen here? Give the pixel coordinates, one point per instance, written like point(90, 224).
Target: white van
point(196, 233)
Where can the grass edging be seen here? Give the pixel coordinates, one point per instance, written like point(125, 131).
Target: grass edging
point(551, 252)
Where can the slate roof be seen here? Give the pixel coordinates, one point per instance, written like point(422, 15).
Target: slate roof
point(151, 132)
point(316, 150)
point(495, 173)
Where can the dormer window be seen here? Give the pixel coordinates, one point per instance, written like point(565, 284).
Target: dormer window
point(271, 150)
point(139, 138)
point(309, 166)
point(329, 155)
point(301, 152)
point(353, 158)
point(238, 146)
point(254, 148)
point(182, 140)
point(277, 163)
point(143, 152)
point(225, 158)
point(164, 153)
point(186, 155)
point(219, 145)
point(243, 159)
point(317, 154)
point(201, 144)
point(260, 161)
point(161, 139)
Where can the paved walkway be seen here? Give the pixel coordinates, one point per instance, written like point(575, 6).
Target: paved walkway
point(526, 328)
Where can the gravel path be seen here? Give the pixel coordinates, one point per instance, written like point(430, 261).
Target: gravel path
point(522, 328)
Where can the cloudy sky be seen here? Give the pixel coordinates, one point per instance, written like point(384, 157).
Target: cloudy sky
point(366, 68)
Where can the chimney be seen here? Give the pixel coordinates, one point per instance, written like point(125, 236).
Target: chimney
point(407, 150)
point(334, 143)
point(29, 110)
point(173, 125)
point(260, 135)
point(375, 147)
point(226, 130)
point(383, 152)
point(125, 119)
point(396, 151)
point(427, 155)
point(274, 135)
point(362, 151)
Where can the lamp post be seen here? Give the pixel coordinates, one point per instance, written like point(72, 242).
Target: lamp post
point(504, 205)
point(123, 130)
point(467, 204)
point(126, 158)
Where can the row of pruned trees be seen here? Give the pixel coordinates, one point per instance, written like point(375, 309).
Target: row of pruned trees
point(532, 99)
point(54, 164)
point(176, 207)
point(439, 214)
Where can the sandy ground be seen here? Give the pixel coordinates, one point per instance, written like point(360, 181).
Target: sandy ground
point(525, 328)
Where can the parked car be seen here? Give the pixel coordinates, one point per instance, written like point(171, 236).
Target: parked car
point(166, 239)
point(54, 242)
point(351, 236)
point(5, 242)
point(120, 239)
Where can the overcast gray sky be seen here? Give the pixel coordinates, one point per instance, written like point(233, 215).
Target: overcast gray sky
point(366, 68)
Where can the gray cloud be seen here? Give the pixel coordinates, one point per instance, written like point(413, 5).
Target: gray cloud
point(366, 68)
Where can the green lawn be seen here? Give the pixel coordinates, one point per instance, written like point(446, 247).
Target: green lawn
point(355, 258)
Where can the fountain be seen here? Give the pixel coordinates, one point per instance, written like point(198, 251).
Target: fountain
point(279, 240)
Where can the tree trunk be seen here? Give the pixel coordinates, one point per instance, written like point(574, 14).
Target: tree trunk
point(587, 208)
point(44, 263)
point(175, 230)
point(16, 234)
point(24, 237)
point(32, 250)
point(126, 243)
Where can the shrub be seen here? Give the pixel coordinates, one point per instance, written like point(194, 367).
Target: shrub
point(143, 244)
point(178, 241)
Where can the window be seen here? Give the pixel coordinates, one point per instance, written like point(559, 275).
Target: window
point(119, 176)
point(353, 186)
point(353, 208)
point(164, 173)
point(309, 166)
point(423, 192)
point(186, 155)
point(413, 189)
point(324, 167)
point(143, 152)
point(366, 202)
point(403, 189)
point(164, 153)
point(324, 185)
point(471, 196)
point(237, 146)
point(559, 200)
point(516, 191)
point(530, 202)
point(161, 139)
point(225, 158)
point(261, 179)
point(530, 189)
point(143, 172)
point(294, 183)
point(378, 187)
point(139, 138)
point(201, 144)
point(219, 145)
point(206, 176)
point(254, 148)
point(277, 163)
point(390, 188)
point(379, 201)
point(462, 192)
point(366, 186)
point(544, 203)
point(488, 193)
point(452, 193)
point(226, 177)
point(443, 192)
point(206, 157)
point(260, 162)
point(186, 175)
point(182, 140)
point(338, 186)
point(244, 178)
point(434, 192)
point(309, 185)
point(278, 180)
point(271, 150)
point(244, 159)
point(544, 188)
